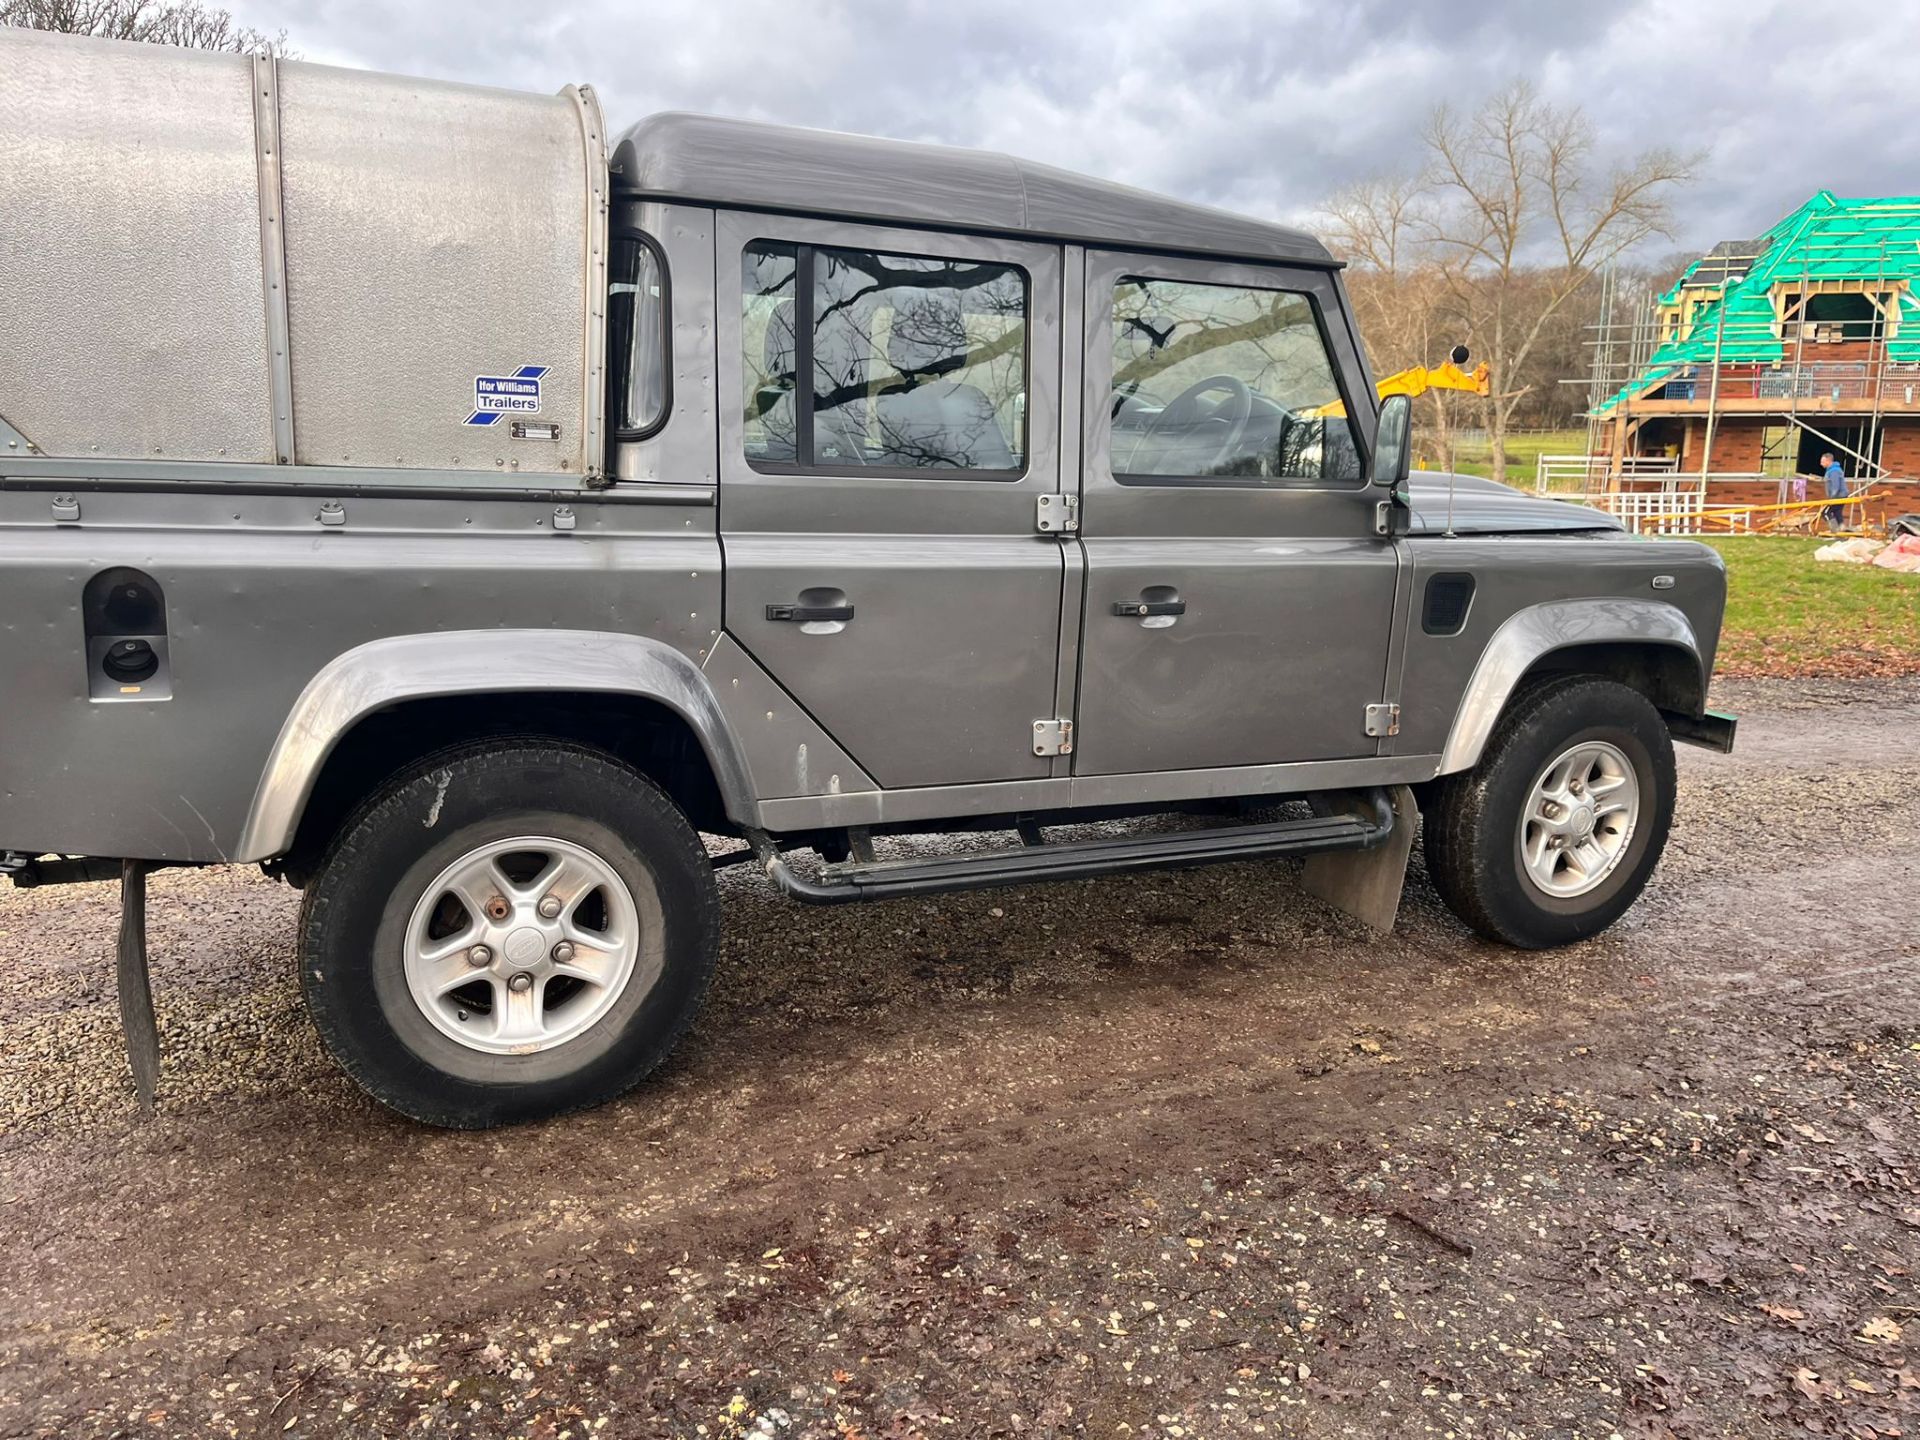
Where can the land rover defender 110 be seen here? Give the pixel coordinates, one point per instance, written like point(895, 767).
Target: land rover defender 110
point(407, 489)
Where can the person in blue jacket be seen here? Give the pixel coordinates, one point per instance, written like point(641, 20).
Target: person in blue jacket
point(1836, 490)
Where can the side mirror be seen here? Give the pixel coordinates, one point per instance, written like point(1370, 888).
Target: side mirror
point(1393, 442)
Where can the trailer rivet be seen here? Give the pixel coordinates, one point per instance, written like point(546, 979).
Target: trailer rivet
point(550, 907)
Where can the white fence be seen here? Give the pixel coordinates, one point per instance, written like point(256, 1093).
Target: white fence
point(1589, 472)
point(1674, 512)
point(1681, 506)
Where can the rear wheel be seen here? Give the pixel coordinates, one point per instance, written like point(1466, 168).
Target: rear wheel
point(1552, 836)
point(507, 932)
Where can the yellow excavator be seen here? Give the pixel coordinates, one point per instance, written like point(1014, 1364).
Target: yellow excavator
point(1422, 378)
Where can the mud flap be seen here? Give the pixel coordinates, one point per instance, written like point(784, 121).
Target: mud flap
point(136, 995)
point(1366, 884)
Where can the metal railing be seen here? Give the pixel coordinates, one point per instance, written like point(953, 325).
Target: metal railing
point(1476, 437)
point(1896, 383)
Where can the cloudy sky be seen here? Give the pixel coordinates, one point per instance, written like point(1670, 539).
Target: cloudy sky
point(1261, 105)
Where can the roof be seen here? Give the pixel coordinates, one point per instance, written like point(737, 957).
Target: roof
point(743, 163)
point(1730, 258)
point(1827, 239)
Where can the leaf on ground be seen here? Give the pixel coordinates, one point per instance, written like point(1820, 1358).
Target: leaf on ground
point(1881, 1331)
point(1809, 1384)
point(1784, 1312)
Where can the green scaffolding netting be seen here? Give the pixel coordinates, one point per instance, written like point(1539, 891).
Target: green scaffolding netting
point(1874, 243)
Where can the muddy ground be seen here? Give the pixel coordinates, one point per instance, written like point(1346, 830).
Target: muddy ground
point(1180, 1155)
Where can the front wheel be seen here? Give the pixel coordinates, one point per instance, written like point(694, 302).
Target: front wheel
point(1552, 836)
point(507, 932)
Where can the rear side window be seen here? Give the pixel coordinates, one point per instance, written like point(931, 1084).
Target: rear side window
point(1224, 381)
point(637, 337)
point(767, 277)
point(860, 361)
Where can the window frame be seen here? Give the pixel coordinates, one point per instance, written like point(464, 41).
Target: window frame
point(803, 278)
point(1227, 274)
point(615, 403)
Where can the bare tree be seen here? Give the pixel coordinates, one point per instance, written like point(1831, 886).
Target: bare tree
point(1401, 295)
point(1522, 221)
point(187, 23)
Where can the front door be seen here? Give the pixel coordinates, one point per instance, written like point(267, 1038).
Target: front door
point(1238, 604)
point(889, 419)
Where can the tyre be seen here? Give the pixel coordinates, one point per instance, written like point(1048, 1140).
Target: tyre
point(506, 932)
point(1553, 834)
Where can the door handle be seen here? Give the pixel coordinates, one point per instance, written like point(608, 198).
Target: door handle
point(803, 613)
point(1133, 609)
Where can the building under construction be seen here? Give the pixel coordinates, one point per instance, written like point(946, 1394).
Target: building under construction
point(1765, 354)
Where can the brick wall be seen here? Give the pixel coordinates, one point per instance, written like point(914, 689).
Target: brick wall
point(1900, 449)
point(1843, 352)
point(1738, 445)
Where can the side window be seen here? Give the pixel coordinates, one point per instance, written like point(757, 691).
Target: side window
point(766, 337)
point(637, 327)
point(1224, 380)
point(901, 364)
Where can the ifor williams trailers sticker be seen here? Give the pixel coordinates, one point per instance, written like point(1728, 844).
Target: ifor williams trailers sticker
point(498, 395)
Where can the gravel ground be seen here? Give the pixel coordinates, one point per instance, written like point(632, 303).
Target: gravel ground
point(1183, 1155)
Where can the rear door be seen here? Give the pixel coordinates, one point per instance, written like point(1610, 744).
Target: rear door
point(1238, 605)
point(889, 418)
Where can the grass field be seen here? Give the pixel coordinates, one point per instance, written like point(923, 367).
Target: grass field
point(1788, 614)
point(1522, 452)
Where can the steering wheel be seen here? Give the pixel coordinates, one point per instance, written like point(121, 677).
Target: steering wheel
point(1188, 410)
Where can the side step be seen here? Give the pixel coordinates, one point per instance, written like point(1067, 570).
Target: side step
point(846, 883)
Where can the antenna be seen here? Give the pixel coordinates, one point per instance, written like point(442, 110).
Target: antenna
point(1459, 356)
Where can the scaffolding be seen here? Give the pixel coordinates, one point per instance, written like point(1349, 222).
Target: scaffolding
point(1764, 354)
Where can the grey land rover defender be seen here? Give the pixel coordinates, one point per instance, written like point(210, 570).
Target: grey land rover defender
point(409, 490)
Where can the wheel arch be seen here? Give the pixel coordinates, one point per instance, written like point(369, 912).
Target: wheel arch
point(1646, 645)
point(386, 704)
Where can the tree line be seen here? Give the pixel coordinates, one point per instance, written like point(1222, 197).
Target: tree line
point(187, 23)
point(1497, 240)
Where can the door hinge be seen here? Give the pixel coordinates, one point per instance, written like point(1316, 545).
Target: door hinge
point(1053, 737)
point(1056, 514)
point(1383, 720)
